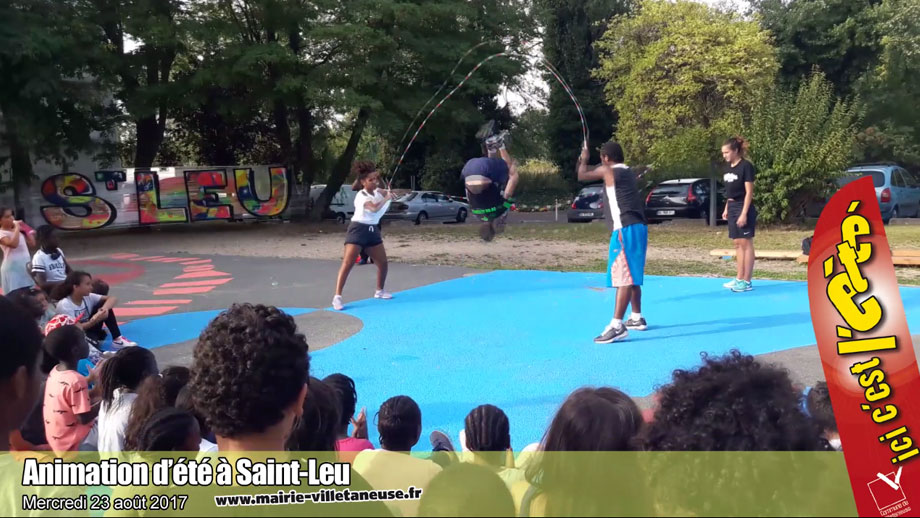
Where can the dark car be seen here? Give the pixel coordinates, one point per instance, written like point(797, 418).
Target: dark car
point(683, 198)
point(588, 205)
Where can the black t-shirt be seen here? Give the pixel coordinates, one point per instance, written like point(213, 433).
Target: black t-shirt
point(735, 178)
point(488, 204)
point(494, 169)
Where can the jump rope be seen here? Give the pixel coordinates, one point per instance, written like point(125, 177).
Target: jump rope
point(509, 54)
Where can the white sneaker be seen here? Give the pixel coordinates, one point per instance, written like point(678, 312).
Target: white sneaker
point(337, 303)
point(730, 284)
point(382, 294)
point(123, 342)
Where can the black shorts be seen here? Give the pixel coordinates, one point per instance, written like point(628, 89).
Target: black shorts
point(365, 236)
point(745, 232)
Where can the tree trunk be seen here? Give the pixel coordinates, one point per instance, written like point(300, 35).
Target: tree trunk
point(21, 165)
point(713, 195)
point(305, 159)
point(149, 138)
point(20, 162)
point(151, 128)
point(342, 166)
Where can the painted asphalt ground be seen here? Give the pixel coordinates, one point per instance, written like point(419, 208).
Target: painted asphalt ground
point(453, 339)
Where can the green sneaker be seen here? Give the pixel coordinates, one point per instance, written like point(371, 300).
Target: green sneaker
point(743, 286)
point(731, 284)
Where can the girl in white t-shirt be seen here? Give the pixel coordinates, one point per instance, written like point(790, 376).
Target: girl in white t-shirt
point(363, 233)
point(91, 310)
point(119, 380)
point(14, 273)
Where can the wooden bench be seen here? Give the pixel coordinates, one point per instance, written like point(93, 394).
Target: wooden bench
point(758, 254)
point(898, 257)
point(897, 260)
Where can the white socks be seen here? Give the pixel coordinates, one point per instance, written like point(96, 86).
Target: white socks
point(635, 316)
point(614, 323)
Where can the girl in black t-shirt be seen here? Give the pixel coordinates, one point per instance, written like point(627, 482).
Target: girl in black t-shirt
point(739, 209)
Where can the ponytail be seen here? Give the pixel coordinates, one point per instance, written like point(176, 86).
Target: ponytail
point(362, 169)
point(739, 145)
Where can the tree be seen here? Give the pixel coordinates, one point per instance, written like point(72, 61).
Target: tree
point(890, 88)
point(49, 105)
point(317, 65)
point(142, 41)
point(529, 133)
point(840, 37)
point(682, 76)
point(800, 142)
point(571, 27)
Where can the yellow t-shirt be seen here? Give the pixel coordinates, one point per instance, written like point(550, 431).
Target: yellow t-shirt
point(386, 470)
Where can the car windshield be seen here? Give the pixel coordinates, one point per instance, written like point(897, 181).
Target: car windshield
point(407, 197)
point(671, 188)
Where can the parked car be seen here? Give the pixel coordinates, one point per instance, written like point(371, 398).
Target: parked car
point(588, 204)
point(341, 207)
point(420, 206)
point(683, 198)
point(897, 190)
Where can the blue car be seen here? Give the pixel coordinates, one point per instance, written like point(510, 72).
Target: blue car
point(897, 189)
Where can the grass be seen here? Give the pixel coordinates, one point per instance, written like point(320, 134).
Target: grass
point(689, 236)
point(683, 249)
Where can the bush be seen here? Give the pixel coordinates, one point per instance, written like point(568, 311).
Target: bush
point(800, 142)
point(442, 173)
point(541, 184)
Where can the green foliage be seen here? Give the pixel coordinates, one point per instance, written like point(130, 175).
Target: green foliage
point(571, 27)
point(49, 104)
point(867, 48)
point(529, 133)
point(442, 173)
point(800, 141)
point(539, 167)
point(137, 45)
point(891, 90)
point(541, 184)
point(840, 37)
point(682, 76)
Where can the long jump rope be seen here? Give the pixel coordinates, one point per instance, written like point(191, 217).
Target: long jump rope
point(508, 53)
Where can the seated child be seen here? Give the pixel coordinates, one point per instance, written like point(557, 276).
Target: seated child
point(68, 411)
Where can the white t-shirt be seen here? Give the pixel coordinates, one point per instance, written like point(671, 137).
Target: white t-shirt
point(113, 419)
point(365, 216)
point(20, 252)
point(80, 312)
point(55, 270)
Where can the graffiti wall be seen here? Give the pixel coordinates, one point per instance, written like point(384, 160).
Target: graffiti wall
point(131, 197)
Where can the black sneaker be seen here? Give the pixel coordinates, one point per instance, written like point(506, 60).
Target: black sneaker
point(638, 324)
point(612, 334)
point(93, 342)
point(440, 441)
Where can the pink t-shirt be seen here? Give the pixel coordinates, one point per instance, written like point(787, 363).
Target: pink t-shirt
point(349, 447)
point(66, 396)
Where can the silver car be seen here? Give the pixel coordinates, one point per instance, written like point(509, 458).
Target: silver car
point(420, 206)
